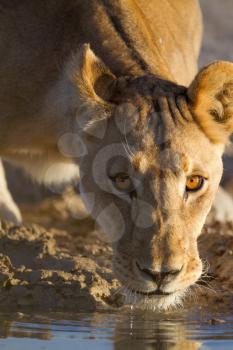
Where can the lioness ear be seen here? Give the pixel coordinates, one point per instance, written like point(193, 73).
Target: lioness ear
point(211, 95)
point(90, 75)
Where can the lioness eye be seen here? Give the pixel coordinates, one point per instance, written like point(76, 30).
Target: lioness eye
point(122, 182)
point(194, 183)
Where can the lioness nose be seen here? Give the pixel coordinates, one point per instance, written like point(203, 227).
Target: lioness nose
point(158, 277)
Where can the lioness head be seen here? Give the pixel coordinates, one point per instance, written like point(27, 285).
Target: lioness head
point(151, 168)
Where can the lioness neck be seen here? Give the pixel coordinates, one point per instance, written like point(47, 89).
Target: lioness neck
point(132, 37)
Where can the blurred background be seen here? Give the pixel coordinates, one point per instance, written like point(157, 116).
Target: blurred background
point(217, 44)
point(218, 31)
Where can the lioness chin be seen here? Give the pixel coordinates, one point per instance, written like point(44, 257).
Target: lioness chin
point(148, 149)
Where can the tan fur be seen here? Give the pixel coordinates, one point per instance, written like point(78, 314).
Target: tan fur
point(113, 106)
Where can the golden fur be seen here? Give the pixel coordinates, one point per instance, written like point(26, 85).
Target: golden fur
point(118, 105)
point(211, 94)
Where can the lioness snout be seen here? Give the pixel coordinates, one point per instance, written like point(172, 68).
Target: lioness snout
point(159, 276)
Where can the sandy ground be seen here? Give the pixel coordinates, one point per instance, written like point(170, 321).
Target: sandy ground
point(60, 264)
point(57, 260)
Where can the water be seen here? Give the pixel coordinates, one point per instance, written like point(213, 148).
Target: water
point(119, 331)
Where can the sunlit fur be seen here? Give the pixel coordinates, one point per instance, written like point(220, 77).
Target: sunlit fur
point(120, 97)
point(171, 148)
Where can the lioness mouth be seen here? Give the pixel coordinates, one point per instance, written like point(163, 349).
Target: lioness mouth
point(153, 292)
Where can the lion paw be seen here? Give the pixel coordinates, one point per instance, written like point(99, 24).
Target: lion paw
point(10, 212)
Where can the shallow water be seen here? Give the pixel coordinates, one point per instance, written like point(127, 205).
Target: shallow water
point(119, 331)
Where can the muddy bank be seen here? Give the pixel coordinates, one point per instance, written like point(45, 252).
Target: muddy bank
point(62, 264)
point(216, 248)
point(59, 268)
point(35, 270)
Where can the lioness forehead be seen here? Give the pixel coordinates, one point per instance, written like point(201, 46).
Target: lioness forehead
point(153, 122)
point(161, 132)
point(148, 86)
point(149, 103)
point(173, 161)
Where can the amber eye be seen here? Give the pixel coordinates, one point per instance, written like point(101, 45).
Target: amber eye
point(194, 183)
point(122, 182)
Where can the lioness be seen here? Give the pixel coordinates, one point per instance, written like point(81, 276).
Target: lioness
point(99, 85)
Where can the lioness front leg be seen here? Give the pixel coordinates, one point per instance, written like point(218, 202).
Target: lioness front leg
point(8, 209)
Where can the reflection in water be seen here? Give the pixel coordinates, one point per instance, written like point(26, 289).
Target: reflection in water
point(135, 330)
point(13, 326)
point(159, 341)
point(149, 334)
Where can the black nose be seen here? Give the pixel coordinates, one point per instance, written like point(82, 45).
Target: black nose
point(158, 277)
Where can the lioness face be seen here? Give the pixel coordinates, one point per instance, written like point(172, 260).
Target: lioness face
point(150, 172)
point(150, 185)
